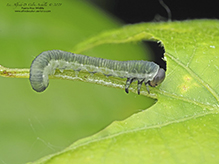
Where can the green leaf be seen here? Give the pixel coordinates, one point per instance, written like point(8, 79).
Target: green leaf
point(182, 127)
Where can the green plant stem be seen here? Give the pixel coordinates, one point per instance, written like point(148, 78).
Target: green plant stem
point(14, 72)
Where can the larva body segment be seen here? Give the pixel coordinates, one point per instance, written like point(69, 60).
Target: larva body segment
point(47, 62)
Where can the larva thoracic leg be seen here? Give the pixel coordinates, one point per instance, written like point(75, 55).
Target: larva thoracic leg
point(128, 83)
point(47, 62)
point(139, 85)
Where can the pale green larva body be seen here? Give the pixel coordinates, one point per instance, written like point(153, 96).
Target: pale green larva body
point(47, 62)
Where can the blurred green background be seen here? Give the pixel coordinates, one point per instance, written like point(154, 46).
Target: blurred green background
point(32, 124)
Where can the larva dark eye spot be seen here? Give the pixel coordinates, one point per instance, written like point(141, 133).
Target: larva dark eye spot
point(159, 78)
point(48, 62)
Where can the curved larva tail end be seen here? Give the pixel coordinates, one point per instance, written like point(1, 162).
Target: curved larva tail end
point(38, 78)
point(39, 89)
point(38, 81)
point(36, 85)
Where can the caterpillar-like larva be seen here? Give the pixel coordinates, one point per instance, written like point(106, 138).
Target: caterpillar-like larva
point(47, 62)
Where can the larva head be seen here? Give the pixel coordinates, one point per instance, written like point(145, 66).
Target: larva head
point(159, 77)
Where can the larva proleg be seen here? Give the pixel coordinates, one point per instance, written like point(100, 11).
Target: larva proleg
point(47, 62)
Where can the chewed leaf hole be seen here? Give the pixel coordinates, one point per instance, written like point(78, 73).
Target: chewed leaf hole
point(157, 53)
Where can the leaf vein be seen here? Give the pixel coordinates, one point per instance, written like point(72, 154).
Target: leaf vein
point(134, 130)
point(193, 74)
